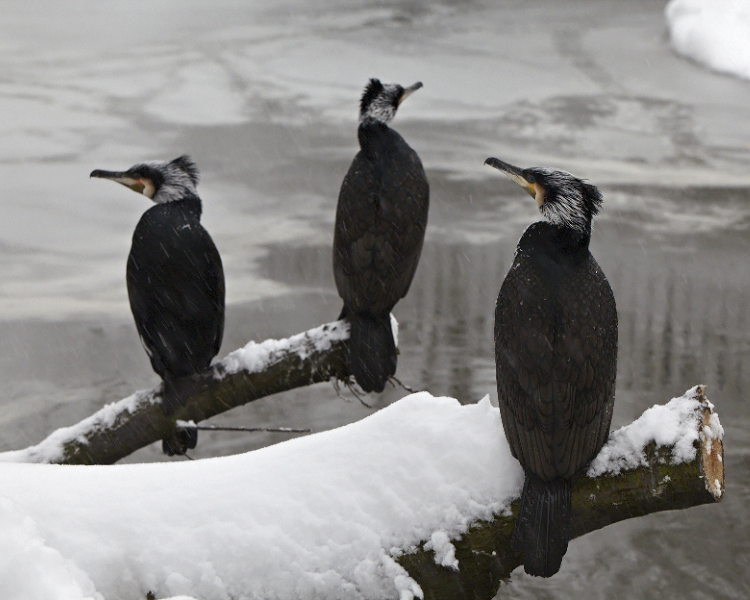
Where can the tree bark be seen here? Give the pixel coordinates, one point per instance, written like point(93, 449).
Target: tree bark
point(660, 483)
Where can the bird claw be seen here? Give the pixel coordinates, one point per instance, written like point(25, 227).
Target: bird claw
point(395, 381)
point(183, 438)
point(350, 384)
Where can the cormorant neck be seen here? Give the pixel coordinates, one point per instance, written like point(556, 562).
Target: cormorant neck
point(569, 239)
point(190, 204)
point(371, 133)
point(554, 240)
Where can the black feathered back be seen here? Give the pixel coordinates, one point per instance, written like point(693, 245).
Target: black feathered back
point(380, 222)
point(556, 364)
point(175, 285)
point(380, 225)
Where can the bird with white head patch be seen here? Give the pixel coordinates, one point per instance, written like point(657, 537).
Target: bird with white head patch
point(555, 358)
point(381, 219)
point(175, 281)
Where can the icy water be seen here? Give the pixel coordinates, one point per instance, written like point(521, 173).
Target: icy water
point(264, 97)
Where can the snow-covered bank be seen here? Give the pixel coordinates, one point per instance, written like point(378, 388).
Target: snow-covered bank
point(714, 33)
point(318, 517)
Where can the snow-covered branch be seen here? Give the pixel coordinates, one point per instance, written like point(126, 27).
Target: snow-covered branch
point(247, 374)
point(671, 458)
point(416, 500)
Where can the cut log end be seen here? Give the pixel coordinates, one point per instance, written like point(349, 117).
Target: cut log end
point(711, 448)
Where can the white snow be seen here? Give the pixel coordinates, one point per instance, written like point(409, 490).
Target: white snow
point(445, 551)
point(673, 424)
point(715, 33)
point(29, 568)
point(50, 449)
point(255, 357)
point(321, 516)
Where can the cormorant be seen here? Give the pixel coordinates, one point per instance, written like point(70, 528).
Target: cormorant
point(380, 225)
point(556, 358)
point(175, 281)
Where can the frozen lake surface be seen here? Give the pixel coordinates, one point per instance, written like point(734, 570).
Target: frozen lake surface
point(264, 97)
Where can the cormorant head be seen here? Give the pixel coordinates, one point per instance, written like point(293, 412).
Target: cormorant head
point(380, 101)
point(160, 181)
point(562, 198)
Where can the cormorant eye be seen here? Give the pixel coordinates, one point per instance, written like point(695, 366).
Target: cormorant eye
point(530, 178)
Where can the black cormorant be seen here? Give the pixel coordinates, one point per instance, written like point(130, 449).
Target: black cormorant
point(556, 358)
point(175, 280)
point(380, 225)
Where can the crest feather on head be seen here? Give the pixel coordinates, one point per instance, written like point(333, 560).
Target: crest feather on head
point(373, 90)
point(185, 163)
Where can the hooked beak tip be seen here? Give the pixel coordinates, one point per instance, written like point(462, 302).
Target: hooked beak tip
point(496, 163)
point(409, 91)
point(100, 174)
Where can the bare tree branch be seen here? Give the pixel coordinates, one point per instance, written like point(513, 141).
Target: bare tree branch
point(247, 374)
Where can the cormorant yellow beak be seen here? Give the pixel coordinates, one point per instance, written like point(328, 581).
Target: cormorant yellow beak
point(137, 185)
point(514, 173)
point(409, 91)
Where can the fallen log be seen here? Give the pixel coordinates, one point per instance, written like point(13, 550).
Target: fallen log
point(641, 470)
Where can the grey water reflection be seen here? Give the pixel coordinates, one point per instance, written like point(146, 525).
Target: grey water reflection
point(676, 328)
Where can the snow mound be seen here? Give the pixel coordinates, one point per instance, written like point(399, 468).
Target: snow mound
point(324, 516)
point(320, 516)
point(29, 568)
point(714, 33)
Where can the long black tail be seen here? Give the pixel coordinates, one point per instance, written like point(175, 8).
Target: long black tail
point(175, 392)
point(372, 351)
point(542, 529)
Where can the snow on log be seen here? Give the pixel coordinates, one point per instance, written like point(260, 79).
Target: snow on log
point(247, 374)
point(670, 458)
point(416, 500)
